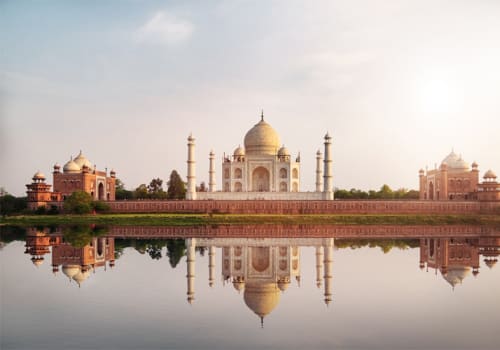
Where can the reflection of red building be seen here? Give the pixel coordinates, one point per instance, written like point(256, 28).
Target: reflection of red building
point(76, 263)
point(455, 258)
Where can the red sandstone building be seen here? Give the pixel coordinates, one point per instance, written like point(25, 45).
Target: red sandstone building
point(77, 175)
point(455, 180)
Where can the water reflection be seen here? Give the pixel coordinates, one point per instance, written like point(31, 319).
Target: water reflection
point(456, 258)
point(260, 269)
point(76, 263)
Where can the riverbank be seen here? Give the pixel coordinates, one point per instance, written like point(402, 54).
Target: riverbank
point(239, 219)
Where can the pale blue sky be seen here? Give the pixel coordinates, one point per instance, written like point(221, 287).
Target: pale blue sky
point(396, 83)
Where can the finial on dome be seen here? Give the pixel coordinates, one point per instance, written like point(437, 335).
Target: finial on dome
point(261, 115)
point(261, 321)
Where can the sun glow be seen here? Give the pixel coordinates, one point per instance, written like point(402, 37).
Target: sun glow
point(438, 97)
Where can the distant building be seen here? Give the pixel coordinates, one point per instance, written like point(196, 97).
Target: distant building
point(455, 180)
point(77, 175)
point(262, 169)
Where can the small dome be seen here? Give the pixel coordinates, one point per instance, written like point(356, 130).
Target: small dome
point(71, 270)
point(262, 139)
point(239, 151)
point(421, 171)
point(490, 262)
point(71, 167)
point(81, 276)
point(283, 151)
point(490, 175)
point(39, 176)
point(474, 165)
point(57, 166)
point(454, 161)
point(283, 285)
point(37, 261)
point(239, 285)
point(82, 161)
point(456, 274)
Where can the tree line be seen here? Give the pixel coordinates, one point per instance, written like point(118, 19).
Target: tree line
point(385, 192)
point(176, 189)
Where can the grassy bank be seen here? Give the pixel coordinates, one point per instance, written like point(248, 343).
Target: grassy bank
point(225, 219)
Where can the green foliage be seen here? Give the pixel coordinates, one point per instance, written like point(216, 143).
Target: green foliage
point(79, 202)
point(140, 192)
point(121, 193)
point(384, 244)
point(81, 235)
point(100, 206)
point(385, 192)
point(155, 189)
point(12, 205)
point(176, 249)
point(176, 187)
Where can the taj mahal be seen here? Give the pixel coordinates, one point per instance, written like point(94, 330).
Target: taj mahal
point(262, 169)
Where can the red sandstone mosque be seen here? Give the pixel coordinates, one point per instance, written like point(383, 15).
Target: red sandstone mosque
point(455, 180)
point(78, 175)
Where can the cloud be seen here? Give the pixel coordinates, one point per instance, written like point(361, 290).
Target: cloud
point(164, 28)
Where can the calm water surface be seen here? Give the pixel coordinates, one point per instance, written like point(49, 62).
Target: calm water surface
point(247, 293)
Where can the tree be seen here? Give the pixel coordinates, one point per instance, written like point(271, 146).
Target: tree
point(155, 189)
point(141, 192)
point(79, 202)
point(176, 187)
point(12, 205)
point(202, 187)
point(120, 192)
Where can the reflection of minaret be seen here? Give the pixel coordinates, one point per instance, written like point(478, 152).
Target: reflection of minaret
point(319, 265)
point(190, 247)
point(211, 265)
point(328, 262)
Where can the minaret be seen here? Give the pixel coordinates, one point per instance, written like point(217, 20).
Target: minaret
point(319, 265)
point(191, 170)
point(319, 173)
point(327, 172)
point(211, 172)
point(190, 259)
point(211, 265)
point(328, 263)
point(421, 187)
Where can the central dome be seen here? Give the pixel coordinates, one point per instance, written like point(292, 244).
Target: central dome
point(262, 139)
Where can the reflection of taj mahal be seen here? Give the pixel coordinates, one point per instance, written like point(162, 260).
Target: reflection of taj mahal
point(262, 169)
point(262, 268)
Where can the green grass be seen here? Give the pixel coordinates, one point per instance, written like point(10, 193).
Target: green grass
point(238, 219)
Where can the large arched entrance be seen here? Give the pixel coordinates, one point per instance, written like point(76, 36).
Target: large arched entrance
point(100, 191)
point(431, 191)
point(260, 180)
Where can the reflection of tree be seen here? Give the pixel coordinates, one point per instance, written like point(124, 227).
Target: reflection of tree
point(201, 250)
point(154, 251)
point(12, 233)
point(176, 249)
point(81, 235)
point(385, 244)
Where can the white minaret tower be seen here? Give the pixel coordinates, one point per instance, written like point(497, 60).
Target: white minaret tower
point(211, 172)
point(328, 263)
point(190, 259)
point(191, 170)
point(328, 169)
point(319, 173)
point(319, 265)
point(211, 265)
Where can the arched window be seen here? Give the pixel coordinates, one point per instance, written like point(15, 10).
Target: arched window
point(226, 173)
point(283, 187)
point(295, 187)
point(238, 187)
point(227, 187)
point(295, 173)
point(237, 173)
point(283, 173)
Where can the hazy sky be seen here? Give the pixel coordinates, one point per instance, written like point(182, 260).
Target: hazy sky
point(396, 83)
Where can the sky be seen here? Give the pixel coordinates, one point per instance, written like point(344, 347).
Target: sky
point(397, 84)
